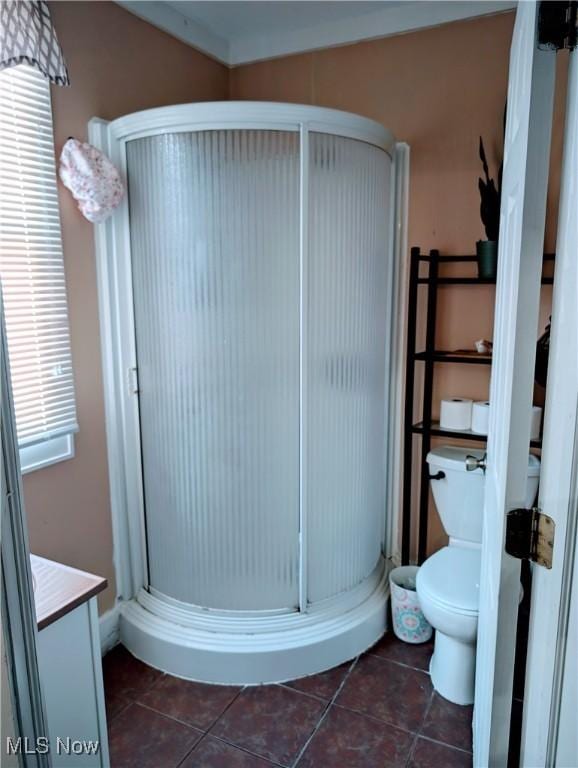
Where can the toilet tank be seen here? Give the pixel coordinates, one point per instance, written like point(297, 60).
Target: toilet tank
point(459, 495)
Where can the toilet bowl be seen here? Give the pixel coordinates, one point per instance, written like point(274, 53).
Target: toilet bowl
point(448, 582)
point(448, 587)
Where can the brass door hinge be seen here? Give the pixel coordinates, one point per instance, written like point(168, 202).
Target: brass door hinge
point(530, 536)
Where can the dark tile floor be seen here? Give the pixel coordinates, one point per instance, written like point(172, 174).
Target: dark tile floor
point(377, 711)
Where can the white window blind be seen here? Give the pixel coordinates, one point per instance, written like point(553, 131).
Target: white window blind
point(31, 263)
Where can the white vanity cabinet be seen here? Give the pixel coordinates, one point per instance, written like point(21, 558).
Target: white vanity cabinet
point(70, 666)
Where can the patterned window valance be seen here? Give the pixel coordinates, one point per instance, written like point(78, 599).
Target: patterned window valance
point(28, 37)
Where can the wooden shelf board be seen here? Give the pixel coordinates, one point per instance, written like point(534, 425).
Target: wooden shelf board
point(466, 356)
point(437, 431)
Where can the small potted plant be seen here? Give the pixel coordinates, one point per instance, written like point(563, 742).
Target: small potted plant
point(490, 197)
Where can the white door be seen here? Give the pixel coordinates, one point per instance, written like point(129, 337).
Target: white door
point(550, 726)
point(522, 215)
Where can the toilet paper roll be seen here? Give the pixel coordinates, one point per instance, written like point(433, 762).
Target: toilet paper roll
point(456, 414)
point(480, 417)
point(536, 422)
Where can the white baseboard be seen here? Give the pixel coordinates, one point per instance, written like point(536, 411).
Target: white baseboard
point(109, 629)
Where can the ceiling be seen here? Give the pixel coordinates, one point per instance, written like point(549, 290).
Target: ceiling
point(240, 32)
point(253, 19)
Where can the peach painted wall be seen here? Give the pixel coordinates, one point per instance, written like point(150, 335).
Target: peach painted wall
point(117, 64)
point(438, 90)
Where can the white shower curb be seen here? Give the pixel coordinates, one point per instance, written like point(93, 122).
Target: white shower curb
point(268, 649)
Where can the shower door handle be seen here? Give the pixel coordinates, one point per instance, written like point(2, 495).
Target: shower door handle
point(133, 380)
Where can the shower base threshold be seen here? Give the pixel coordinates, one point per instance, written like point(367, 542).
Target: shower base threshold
point(236, 649)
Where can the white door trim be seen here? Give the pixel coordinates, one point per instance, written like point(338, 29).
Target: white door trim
point(521, 245)
point(18, 618)
point(551, 588)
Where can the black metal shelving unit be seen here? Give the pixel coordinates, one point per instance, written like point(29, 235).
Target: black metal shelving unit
point(429, 357)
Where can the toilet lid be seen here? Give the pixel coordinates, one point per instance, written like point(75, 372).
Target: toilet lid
point(452, 577)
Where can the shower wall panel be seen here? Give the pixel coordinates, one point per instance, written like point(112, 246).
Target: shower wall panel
point(214, 222)
point(347, 299)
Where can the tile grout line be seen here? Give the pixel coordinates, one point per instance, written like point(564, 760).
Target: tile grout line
point(324, 713)
point(419, 730)
point(127, 704)
point(194, 729)
point(224, 740)
point(188, 752)
point(170, 717)
point(198, 728)
point(241, 749)
point(321, 699)
point(397, 663)
point(426, 712)
point(326, 702)
point(444, 744)
point(379, 720)
point(420, 734)
point(130, 699)
point(227, 708)
point(411, 752)
point(205, 732)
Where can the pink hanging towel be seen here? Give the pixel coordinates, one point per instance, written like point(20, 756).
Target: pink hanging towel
point(91, 177)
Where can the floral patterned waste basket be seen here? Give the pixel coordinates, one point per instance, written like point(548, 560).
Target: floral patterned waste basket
point(409, 623)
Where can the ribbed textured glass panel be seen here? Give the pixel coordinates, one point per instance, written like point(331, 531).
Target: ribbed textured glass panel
point(215, 248)
point(345, 361)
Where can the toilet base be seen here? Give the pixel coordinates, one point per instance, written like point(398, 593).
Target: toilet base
point(452, 669)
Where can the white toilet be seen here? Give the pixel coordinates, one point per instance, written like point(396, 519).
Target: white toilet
point(448, 581)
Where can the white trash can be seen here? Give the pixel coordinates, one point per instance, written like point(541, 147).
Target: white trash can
point(409, 623)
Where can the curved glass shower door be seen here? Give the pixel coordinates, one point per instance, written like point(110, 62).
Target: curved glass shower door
point(214, 223)
point(349, 287)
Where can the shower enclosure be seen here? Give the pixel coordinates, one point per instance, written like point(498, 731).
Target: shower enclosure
point(246, 288)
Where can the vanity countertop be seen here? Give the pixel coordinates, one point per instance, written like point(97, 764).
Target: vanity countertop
point(59, 589)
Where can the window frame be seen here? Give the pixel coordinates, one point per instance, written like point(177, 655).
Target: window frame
point(46, 453)
point(40, 451)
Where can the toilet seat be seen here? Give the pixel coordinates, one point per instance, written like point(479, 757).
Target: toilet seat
point(450, 578)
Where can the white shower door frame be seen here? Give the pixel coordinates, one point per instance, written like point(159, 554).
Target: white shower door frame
point(114, 274)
